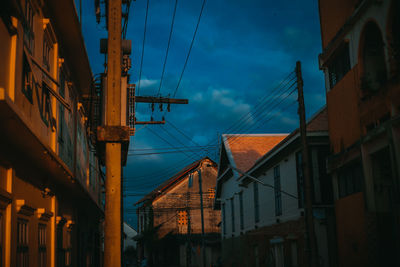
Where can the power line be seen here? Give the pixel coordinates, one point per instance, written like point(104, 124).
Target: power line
point(166, 152)
point(169, 148)
point(263, 113)
point(125, 26)
point(169, 42)
point(179, 141)
point(156, 134)
point(144, 40)
point(190, 48)
point(182, 133)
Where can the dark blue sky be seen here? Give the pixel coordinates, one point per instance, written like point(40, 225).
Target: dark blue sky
point(242, 50)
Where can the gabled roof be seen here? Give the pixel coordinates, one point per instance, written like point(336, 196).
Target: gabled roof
point(247, 152)
point(245, 149)
point(173, 180)
point(317, 124)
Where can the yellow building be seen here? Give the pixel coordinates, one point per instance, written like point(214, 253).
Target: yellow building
point(50, 180)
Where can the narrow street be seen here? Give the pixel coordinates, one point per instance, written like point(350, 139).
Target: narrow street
point(199, 133)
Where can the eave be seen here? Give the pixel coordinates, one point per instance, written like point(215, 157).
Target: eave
point(69, 35)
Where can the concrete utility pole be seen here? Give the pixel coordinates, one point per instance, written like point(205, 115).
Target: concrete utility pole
point(312, 242)
point(112, 227)
point(203, 249)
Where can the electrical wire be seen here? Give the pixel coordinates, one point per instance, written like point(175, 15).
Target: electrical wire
point(169, 42)
point(268, 115)
point(169, 148)
point(190, 48)
point(144, 40)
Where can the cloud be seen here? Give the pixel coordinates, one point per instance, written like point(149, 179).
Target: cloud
point(147, 82)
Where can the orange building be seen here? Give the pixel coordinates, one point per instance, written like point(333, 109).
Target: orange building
point(50, 184)
point(361, 62)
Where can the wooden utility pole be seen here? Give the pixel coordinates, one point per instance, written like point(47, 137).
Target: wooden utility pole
point(115, 131)
point(203, 249)
point(112, 227)
point(311, 239)
point(189, 246)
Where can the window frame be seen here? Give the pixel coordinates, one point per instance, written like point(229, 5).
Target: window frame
point(28, 82)
point(28, 25)
point(300, 179)
point(256, 200)
point(22, 250)
point(232, 214)
point(277, 191)
point(42, 245)
point(339, 64)
point(241, 210)
point(223, 218)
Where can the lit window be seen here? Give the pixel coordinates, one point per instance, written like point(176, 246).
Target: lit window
point(211, 193)
point(182, 217)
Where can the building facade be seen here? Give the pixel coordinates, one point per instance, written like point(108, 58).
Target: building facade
point(360, 60)
point(50, 181)
point(263, 220)
point(170, 228)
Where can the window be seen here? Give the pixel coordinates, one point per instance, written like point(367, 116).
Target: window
point(47, 46)
point(350, 179)
point(241, 210)
point(46, 111)
point(141, 223)
point(28, 26)
point(278, 254)
point(339, 65)
point(373, 58)
point(182, 217)
point(211, 193)
point(27, 80)
point(42, 245)
point(394, 44)
point(1, 238)
point(256, 257)
point(68, 246)
point(223, 218)
point(61, 120)
point(277, 189)
point(190, 180)
point(293, 253)
point(233, 214)
point(22, 243)
point(256, 203)
point(300, 179)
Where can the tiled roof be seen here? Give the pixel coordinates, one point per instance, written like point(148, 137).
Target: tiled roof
point(319, 122)
point(247, 149)
point(171, 181)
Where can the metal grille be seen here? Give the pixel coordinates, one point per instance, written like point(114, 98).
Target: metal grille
point(131, 107)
